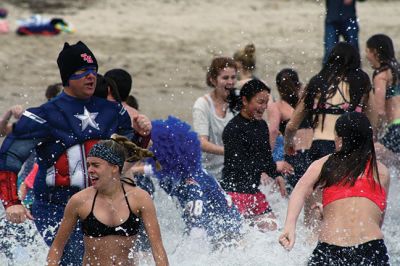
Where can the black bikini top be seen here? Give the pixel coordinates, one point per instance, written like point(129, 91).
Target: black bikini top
point(93, 227)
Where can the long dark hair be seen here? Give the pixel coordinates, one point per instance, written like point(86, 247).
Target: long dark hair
point(343, 64)
point(347, 164)
point(288, 84)
point(382, 45)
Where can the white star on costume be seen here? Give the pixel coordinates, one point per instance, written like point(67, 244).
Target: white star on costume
point(88, 119)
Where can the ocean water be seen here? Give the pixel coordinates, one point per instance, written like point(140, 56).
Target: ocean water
point(256, 248)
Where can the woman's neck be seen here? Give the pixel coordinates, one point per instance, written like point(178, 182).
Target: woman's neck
point(112, 190)
point(217, 99)
point(246, 75)
point(220, 104)
point(245, 114)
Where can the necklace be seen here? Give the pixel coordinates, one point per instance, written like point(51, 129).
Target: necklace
point(224, 107)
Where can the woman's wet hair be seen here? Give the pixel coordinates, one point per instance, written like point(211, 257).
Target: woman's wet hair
point(382, 45)
point(247, 57)
point(102, 85)
point(347, 164)
point(288, 85)
point(217, 65)
point(123, 149)
point(343, 64)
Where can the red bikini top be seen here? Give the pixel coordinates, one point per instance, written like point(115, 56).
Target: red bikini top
point(365, 186)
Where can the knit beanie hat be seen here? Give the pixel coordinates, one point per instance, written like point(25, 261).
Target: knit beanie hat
point(74, 57)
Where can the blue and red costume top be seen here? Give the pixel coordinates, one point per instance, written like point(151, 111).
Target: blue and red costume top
point(62, 131)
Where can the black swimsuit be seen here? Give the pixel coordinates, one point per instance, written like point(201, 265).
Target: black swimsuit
point(93, 227)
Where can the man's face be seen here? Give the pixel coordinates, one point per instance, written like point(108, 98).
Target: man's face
point(82, 83)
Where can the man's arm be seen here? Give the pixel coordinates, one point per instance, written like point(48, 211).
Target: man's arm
point(16, 148)
point(141, 135)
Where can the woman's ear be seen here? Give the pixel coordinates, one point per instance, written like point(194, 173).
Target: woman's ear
point(115, 169)
point(213, 82)
point(244, 101)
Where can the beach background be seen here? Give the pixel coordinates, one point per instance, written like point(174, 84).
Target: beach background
point(166, 45)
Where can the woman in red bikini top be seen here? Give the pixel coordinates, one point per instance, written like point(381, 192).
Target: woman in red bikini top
point(354, 189)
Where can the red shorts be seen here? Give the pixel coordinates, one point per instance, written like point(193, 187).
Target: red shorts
point(250, 204)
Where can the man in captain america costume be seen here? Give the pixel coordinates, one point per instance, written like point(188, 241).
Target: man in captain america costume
point(62, 131)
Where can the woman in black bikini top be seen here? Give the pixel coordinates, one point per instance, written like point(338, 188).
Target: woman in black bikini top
point(110, 210)
point(91, 226)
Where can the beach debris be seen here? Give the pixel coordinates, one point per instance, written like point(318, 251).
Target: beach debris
point(38, 25)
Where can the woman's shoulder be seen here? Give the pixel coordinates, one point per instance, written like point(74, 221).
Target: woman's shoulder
point(240, 83)
point(382, 74)
point(202, 100)
point(135, 191)
point(81, 201)
point(139, 197)
point(83, 195)
point(318, 164)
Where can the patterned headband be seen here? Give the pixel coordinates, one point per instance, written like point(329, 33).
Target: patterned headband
point(103, 152)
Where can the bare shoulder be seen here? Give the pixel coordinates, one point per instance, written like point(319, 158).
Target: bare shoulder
point(241, 82)
point(317, 164)
point(81, 197)
point(384, 75)
point(136, 193)
point(313, 171)
point(137, 198)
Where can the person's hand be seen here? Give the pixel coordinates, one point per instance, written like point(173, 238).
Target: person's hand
point(142, 124)
point(265, 179)
point(16, 111)
point(287, 239)
point(18, 214)
point(284, 167)
point(281, 185)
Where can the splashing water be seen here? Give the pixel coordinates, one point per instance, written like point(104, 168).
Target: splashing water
point(256, 248)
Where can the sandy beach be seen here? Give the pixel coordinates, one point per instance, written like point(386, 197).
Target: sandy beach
point(167, 44)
